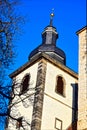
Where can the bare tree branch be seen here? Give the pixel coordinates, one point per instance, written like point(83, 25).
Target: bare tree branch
point(10, 25)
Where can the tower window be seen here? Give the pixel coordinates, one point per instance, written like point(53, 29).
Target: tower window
point(58, 124)
point(19, 123)
point(60, 86)
point(25, 83)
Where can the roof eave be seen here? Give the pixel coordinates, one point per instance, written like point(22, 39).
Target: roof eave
point(81, 30)
point(47, 58)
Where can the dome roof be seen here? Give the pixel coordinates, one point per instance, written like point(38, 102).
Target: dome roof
point(48, 46)
point(51, 50)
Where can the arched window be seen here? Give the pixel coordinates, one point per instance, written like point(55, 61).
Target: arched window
point(60, 86)
point(25, 83)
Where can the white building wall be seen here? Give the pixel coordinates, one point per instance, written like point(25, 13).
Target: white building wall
point(55, 105)
point(23, 108)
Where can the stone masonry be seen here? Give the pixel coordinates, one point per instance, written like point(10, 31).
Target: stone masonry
point(39, 95)
point(82, 94)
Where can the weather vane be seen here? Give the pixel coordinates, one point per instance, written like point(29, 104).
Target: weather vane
point(51, 17)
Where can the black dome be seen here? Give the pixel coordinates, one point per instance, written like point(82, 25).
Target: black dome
point(48, 46)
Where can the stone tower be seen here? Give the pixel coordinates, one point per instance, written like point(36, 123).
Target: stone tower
point(54, 97)
point(82, 93)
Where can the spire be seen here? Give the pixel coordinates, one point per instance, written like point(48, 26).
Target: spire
point(48, 46)
point(51, 17)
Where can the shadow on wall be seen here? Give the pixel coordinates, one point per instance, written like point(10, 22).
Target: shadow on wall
point(73, 126)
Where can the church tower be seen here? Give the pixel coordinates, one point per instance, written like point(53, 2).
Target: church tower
point(45, 89)
point(82, 96)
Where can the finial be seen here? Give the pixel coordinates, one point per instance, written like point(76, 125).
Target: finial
point(51, 17)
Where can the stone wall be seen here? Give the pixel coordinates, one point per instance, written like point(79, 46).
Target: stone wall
point(39, 95)
point(82, 98)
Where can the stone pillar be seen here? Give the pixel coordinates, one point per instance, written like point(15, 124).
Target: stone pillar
point(39, 96)
point(82, 93)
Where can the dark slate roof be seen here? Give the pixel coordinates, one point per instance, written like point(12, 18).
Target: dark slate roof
point(49, 59)
point(51, 50)
point(49, 38)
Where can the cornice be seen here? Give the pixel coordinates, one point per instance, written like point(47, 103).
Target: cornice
point(47, 58)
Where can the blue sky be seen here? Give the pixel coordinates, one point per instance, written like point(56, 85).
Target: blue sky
point(70, 16)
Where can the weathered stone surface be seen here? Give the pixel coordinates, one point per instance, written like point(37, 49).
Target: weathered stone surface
point(38, 99)
point(82, 97)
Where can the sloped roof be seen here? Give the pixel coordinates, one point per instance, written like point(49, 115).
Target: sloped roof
point(48, 58)
point(82, 29)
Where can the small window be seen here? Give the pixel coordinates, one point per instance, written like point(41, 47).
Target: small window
point(25, 83)
point(58, 124)
point(19, 123)
point(60, 85)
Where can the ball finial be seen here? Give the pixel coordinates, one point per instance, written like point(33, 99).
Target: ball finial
point(51, 17)
point(52, 14)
